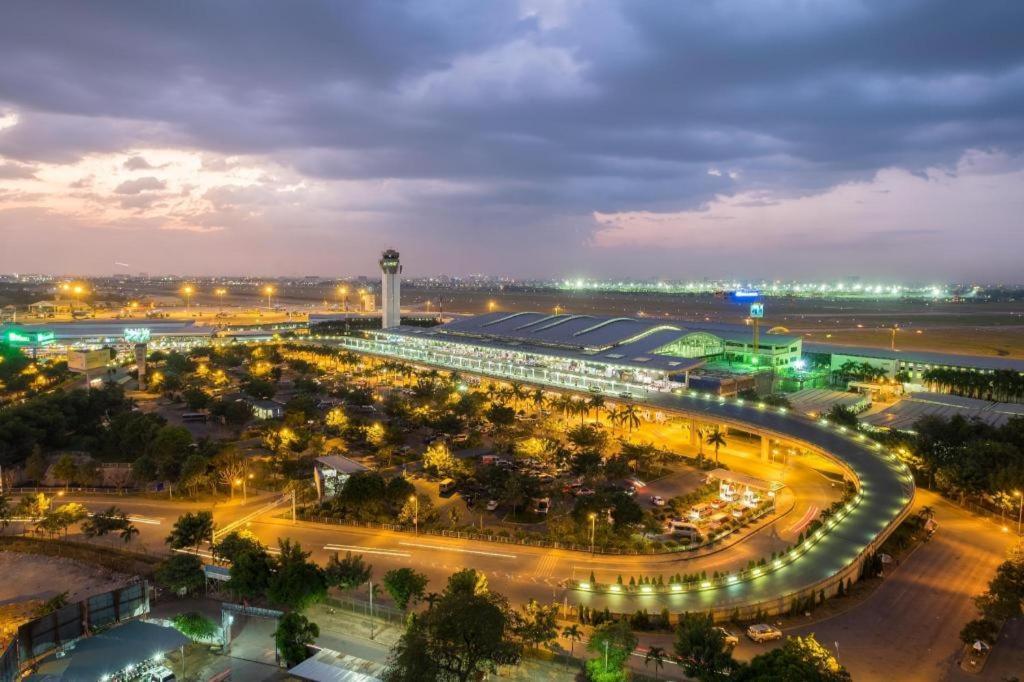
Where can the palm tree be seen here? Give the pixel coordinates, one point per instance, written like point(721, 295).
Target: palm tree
point(566, 405)
point(926, 513)
point(657, 655)
point(596, 402)
point(573, 634)
point(630, 416)
point(716, 438)
point(129, 532)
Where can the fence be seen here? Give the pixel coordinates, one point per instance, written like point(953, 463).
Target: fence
point(361, 607)
point(68, 623)
point(9, 662)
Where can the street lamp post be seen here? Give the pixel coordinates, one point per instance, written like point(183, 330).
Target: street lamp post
point(269, 291)
point(187, 290)
point(220, 297)
point(593, 522)
point(343, 294)
point(416, 514)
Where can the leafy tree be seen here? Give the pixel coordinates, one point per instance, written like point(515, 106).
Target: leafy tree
point(88, 472)
point(336, 420)
point(195, 626)
point(33, 506)
point(35, 465)
point(701, 648)
point(296, 582)
point(6, 513)
point(537, 624)
point(250, 572)
point(348, 572)
point(191, 530)
point(405, 586)
point(169, 450)
point(466, 632)
point(65, 470)
point(613, 643)
point(439, 459)
point(182, 572)
point(979, 629)
point(235, 543)
point(293, 634)
point(842, 415)
point(196, 398)
point(263, 389)
point(799, 659)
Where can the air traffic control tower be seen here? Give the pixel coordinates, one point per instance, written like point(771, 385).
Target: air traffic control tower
point(390, 297)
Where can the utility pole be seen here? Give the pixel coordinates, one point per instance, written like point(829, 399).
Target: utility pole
point(371, 609)
point(293, 507)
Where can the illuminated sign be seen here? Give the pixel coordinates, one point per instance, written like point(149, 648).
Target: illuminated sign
point(746, 294)
point(23, 338)
point(757, 310)
point(137, 334)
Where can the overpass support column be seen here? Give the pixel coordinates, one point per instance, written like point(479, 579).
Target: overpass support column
point(766, 445)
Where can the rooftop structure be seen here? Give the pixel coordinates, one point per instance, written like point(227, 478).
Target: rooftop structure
point(588, 351)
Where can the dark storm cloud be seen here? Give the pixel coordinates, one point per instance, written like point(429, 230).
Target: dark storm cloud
point(628, 106)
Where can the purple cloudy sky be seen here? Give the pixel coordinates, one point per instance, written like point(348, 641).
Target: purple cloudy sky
point(767, 138)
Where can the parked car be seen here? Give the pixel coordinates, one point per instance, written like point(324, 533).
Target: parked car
point(542, 506)
point(657, 500)
point(762, 632)
point(492, 505)
point(727, 637)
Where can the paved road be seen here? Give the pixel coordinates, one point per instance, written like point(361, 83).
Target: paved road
point(886, 490)
point(909, 628)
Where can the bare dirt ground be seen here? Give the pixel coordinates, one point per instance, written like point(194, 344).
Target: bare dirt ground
point(31, 579)
point(34, 577)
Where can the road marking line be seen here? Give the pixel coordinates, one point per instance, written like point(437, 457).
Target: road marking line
point(367, 550)
point(442, 548)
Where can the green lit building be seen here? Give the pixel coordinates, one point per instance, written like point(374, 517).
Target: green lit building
point(608, 354)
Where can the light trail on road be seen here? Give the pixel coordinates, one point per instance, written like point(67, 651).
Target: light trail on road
point(442, 548)
point(367, 550)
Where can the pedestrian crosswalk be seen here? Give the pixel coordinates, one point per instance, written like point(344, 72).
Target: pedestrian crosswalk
point(546, 566)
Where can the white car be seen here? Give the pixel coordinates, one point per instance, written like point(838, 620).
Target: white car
point(762, 632)
point(492, 505)
point(657, 500)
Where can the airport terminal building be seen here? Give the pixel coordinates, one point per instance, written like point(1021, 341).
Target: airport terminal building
point(611, 354)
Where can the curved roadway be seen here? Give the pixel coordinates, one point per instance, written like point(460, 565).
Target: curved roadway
point(886, 489)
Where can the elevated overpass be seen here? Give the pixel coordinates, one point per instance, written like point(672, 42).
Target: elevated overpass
point(885, 495)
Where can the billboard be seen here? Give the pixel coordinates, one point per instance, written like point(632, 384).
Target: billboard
point(88, 360)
